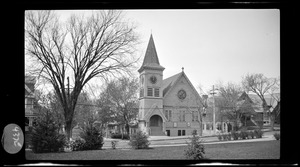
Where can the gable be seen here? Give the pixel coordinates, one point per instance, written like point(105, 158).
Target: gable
point(169, 82)
point(155, 111)
point(180, 82)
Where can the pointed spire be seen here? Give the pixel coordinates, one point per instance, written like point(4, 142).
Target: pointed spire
point(151, 58)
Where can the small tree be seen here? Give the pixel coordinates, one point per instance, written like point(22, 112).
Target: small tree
point(195, 148)
point(45, 136)
point(93, 138)
point(139, 140)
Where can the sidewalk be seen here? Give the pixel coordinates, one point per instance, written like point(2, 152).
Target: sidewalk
point(123, 144)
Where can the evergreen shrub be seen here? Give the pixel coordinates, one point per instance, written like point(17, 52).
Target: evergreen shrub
point(228, 136)
point(114, 144)
point(139, 140)
point(45, 135)
point(251, 134)
point(258, 133)
point(77, 144)
point(243, 134)
point(235, 135)
point(195, 149)
point(220, 136)
point(277, 136)
point(224, 136)
point(93, 138)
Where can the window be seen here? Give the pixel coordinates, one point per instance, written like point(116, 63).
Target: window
point(183, 132)
point(156, 92)
point(26, 121)
point(167, 114)
point(208, 126)
point(141, 92)
point(179, 132)
point(29, 103)
point(150, 92)
point(182, 116)
point(195, 116)
point(168, 132)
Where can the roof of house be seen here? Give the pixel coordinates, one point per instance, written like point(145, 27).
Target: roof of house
point(253, 99)
point(269, 99)
point(151, 59)
point(29, 85)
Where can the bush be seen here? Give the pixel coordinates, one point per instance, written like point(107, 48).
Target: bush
point(77, 145)
point(93, 138)
point(277, 136)
point(139, 140)
point(119, 136)
point(220, 137)
point(228, 136)
point(251, 134)
point(195, 149)
point(45, 136)
point(244, 135)
point(258, 133)
point(235, 135)
point(224, 136)
point(114, 144)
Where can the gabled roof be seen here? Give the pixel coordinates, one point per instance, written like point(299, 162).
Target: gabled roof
point(151, 59)
point(269, 99)
point(29, 85)
point(170, 82)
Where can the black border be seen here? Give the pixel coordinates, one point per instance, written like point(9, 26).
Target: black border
point(13, 69)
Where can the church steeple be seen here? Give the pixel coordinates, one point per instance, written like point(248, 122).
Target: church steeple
point(151, 59)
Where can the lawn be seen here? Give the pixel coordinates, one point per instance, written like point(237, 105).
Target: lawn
point(247, 150)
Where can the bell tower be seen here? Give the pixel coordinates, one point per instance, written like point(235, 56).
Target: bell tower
point(151, 80)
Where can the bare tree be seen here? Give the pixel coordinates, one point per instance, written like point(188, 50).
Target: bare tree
point(81, 48)
point(122, 98)
point(274, 91)
point(260, 85)
point(232, 105)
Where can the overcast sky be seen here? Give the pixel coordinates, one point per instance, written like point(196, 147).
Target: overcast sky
point(212, 45)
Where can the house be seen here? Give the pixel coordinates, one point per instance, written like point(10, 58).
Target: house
point(166, 106)
point(116, 128)
point(271, 102)
point(254, 116)
point(30, 113)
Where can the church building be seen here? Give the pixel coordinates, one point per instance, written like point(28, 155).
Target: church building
point(166, 106)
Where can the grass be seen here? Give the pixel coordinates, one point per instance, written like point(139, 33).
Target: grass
point(247, 150)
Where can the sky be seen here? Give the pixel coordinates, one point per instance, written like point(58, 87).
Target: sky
point(211, 44)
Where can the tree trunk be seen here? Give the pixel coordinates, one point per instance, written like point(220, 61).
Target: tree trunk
point(272, 119)
point(127, 128)
point(69, 129)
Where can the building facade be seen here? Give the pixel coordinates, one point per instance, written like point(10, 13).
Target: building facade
point(166, 106)
point(30, 113)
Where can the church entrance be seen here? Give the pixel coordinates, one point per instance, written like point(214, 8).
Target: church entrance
point(156, 126)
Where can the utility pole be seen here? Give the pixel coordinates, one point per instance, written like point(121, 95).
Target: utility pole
point(214, 112)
